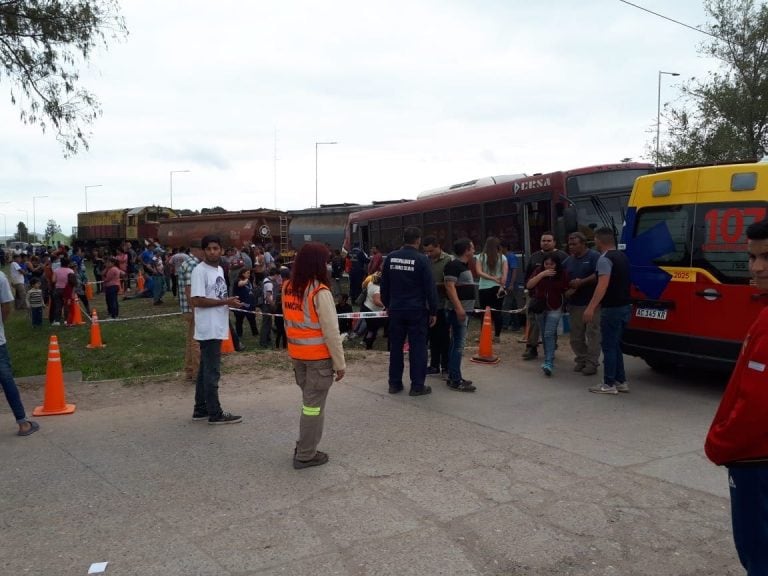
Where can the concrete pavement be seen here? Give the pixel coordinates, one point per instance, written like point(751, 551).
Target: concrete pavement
point(528, 476)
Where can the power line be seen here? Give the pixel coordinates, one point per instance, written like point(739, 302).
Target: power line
point(670, 19)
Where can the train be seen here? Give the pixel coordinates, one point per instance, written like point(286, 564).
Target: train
point(110, 228)
point(285, 231)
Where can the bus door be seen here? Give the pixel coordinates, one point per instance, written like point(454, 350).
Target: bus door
point(537, 219)
point(724, 303)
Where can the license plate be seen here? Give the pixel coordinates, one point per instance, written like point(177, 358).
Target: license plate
point(652, 313)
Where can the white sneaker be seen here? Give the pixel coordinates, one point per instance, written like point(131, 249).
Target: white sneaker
point(604, 389)
point(623, 387)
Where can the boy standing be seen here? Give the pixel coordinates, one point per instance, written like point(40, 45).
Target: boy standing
point(211, 304)
point(35, 302)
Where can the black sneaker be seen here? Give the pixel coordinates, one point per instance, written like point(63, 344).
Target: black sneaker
point(433, 371)
point(225, 418)
point(420, 391)
point(200, 415)
point(395, 389)
point(461, 385)
point(319, 459)
point(530, 354)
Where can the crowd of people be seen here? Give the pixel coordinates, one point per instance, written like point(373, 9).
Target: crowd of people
point(428, 296)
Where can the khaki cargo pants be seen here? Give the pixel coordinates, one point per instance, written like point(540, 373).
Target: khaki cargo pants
point(314, 377)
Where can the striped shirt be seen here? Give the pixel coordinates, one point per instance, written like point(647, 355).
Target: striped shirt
point(35, 298)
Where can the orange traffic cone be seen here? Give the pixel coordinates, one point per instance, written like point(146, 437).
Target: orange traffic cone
point(227, 345)
point(54, 401)
point(95, 332)
point(75, 316)
point(140, 282)
point(485, 353)
point(89, 291)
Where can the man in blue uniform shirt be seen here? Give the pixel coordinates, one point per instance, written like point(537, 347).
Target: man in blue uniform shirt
point(409, 295)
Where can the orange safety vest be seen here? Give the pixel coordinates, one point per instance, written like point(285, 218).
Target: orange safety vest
point(302, 324)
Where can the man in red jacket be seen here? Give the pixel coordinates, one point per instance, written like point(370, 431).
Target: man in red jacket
point(738, 437)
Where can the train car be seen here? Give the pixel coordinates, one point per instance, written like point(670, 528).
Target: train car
point(113, 227)
point(236, 229)
point(101, 227)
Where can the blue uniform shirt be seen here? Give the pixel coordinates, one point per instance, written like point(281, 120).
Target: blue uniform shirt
point(406, 281)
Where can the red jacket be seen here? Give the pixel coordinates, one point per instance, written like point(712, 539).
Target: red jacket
point(740, 428)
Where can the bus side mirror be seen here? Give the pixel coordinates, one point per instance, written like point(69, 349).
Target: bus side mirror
point(570, 220)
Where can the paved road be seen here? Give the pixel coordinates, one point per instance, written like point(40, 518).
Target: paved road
point(529, 476)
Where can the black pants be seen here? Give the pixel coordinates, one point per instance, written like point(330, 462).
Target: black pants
point(250, 317)
point(487, 297)
point(439, 342)
point(207, 387)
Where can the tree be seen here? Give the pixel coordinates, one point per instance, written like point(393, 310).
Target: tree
point(22, 234)
point(51, 229)
point(42, 42)
point(725, 117)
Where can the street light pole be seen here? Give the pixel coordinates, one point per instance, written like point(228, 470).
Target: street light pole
point(317, 205)
point(658, 113)
point(86, 193)
point(34, 217)
point(172, 173)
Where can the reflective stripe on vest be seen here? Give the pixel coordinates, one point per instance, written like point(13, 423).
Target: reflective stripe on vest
point(302, 324)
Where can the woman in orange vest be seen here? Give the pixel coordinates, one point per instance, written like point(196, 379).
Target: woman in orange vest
point(314, 345)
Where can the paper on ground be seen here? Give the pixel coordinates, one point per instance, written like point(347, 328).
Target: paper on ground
point(98, 568)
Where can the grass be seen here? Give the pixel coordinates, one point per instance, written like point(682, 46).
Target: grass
point(134, 348)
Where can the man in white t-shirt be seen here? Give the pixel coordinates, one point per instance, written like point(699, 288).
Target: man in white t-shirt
point(208, 296)
point(26, 427)
point(17, 283)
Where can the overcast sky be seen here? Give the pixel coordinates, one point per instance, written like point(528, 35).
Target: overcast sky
point(418, 94)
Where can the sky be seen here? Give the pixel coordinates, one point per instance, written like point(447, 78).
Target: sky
point(417, 94)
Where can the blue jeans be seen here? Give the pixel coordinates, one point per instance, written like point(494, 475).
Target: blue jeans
point(9, 385)
point(415, 325)
point(157, 287)
point(456, 347)
point(113, 306)
point(548, 322)
point(749, 515)
point(207, 387)
point(613, 320)
point(37, 316)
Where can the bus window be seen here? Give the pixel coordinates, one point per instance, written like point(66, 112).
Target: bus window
point(466, 223)
point(412, 220)
point(593, 213)
point(721, 239)
point(502, 219)
point(436, 224)
point(679, 222)
point(391, 236)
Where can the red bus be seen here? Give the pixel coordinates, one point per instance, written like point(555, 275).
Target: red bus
point(515, 208)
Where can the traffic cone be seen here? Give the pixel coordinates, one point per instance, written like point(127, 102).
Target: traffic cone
point(95, 332)
point(75, 316)
point(485, 352)
point(140, 282)
point(54, 401)
point(89, 291)
point(227, 346)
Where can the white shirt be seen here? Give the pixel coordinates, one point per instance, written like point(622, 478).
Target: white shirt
point(17, 276)
point(5, 296)
point(211, 323)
